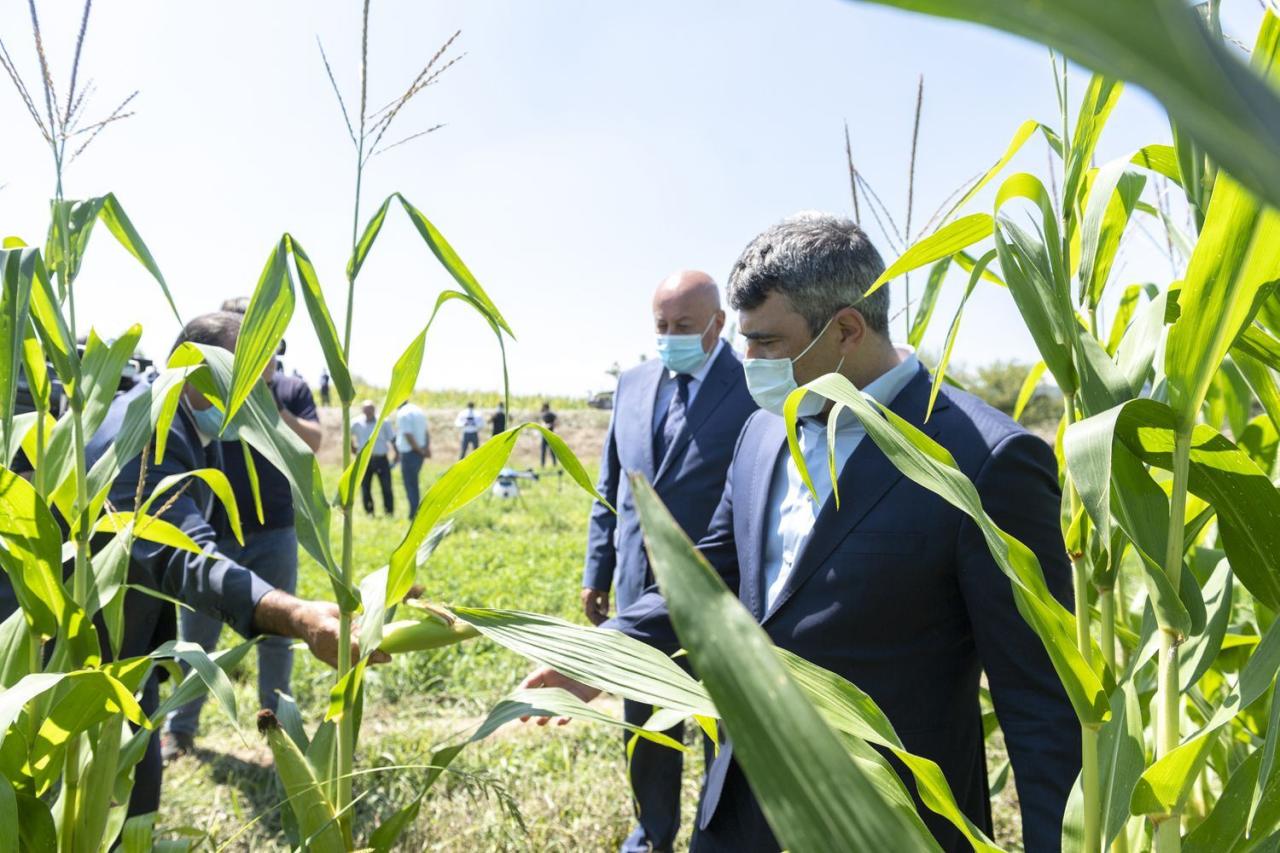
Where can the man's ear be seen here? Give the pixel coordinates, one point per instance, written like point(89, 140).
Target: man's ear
point(853, 328)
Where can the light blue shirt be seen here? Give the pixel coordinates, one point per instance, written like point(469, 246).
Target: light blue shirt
point(792, 509)
point(667, 385)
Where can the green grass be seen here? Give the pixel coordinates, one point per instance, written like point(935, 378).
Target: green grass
point(567, 784)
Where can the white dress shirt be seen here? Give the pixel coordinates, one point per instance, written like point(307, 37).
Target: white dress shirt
point(667, 385)
point(410, 421)
point(362, 431)
point(792, 509)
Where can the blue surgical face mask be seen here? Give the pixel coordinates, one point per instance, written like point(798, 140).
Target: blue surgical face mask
point(771, 380)
point(209, 421)
point(683, 353)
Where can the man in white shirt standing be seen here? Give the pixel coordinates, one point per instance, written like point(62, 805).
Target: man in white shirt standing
point(413, 443)
point(381, 459)
point(469, 423)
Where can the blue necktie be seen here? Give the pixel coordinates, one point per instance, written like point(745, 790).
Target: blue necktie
point(673, 421)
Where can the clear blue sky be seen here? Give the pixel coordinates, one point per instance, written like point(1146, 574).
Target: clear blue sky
point(590, 149)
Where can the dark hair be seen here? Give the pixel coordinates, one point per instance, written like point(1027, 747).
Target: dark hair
point(238, 305)
point(218, 329)
point(822, 263)
point(470, 405)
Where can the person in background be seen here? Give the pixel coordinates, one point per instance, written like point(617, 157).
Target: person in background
point(894, 588)
point(413, 443)
point(380, 460)
point(675, 420)
point(207, 581)
point(324, 387)
point(469, 423)
point(499, 419)
point(270, 550)
point(549, 420)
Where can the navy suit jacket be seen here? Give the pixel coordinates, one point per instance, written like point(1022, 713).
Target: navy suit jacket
point(215, 586)
point(689, 480)
point(898, 593)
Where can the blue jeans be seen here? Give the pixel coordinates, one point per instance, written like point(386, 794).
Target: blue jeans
point(273, 556)
point(410, 465)
point(471, 440)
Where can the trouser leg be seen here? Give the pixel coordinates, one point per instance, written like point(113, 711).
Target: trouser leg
point(655, 772)
point(147, 774)
point(273, 556)
point(384, 482)
point(410, 469)
point(204, 631)
point(366, 486)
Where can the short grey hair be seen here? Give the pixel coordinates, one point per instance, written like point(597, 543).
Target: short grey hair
point(822, 263)
point(217, 329)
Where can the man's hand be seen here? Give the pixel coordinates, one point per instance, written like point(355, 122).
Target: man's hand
point(595, 603)
point(314, 622)
point(548, 677)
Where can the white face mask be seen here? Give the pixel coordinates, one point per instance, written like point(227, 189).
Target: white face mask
point(683, 353)
point(771, 380)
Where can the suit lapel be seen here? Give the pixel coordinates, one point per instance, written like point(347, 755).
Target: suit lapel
point(864, 481)
point(715, 385)
point(648, 400)
point(771, 443)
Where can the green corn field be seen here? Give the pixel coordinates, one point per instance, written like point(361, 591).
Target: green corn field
point(1167, 455)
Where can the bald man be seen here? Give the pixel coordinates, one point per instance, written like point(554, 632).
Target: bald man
point(676, 420)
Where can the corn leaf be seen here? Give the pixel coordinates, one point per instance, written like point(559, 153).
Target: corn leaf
point(265, 320)
point(1112, 196)
point(30, 553)
point(259, 424)
point(849, 710)
point(322, 321)
point(1028, 389)
point(924, 312)
point(943, 243)
point(928, 464)
point(14, 307)
point(1166, 784)
point(607, 660)
point(1121, 759)
point(1099, 100)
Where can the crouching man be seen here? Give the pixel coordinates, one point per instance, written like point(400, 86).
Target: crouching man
point(207, 582)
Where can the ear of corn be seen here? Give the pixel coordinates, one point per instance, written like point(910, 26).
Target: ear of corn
point(436, 627)
point(314, 811)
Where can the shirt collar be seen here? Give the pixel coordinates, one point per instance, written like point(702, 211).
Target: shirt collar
point(884, 389)
point(701, 373)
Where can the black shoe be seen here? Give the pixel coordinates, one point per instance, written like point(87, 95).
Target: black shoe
point(174, 745)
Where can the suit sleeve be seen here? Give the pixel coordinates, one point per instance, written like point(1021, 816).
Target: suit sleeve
point(602, 556)
point(647, 619)
point(215, 586)
point(1019, 489)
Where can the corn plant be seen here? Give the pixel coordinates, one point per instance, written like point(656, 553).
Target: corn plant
point(72, 727)
point(1152, 488)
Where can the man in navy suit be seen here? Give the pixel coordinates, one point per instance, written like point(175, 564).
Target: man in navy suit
point(895, 591)
point(675, 419)
point(208, 582)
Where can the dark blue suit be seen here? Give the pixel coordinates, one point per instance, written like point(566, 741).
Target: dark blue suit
point(898, 593)
point(217, 587)
point(690, 479)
